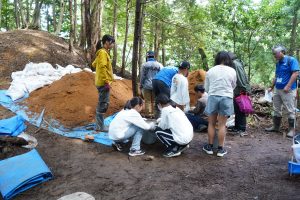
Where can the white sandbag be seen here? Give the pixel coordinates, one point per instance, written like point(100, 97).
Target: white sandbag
point(87, 69)
point(17, 75)
point(117, 77)
point(32, 141)
point(77, 196)
point(16, 90)
point(230, 121)
point(34, 83)
point(76, 70)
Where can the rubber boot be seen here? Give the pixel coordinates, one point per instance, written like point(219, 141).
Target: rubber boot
point(291, 128)
point(276, 125)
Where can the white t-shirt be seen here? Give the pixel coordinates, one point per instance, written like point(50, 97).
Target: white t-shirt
point(220, 81)
point(123, 120)
point(180, 90)
point(175, 120)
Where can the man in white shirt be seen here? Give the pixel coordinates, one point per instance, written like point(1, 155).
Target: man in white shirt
point(180, 87)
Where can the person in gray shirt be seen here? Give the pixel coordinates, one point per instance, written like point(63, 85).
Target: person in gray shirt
point(148, 70)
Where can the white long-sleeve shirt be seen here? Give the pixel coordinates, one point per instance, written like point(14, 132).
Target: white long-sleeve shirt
point(220, 81)
point(180, 90)
point(123, 120)
point(175, 120)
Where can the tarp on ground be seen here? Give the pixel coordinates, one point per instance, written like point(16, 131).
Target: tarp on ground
point(22, 172)
point(13, 126)
point(52, 124)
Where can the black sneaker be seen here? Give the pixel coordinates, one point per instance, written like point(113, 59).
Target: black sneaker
point(182, 148)
point(221, 152)
point(208, 149)
point(134, 152)
point(232, 129)
point(117, 146)
point(171, 153)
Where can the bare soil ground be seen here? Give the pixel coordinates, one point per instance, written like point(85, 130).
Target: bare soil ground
point(254, 168)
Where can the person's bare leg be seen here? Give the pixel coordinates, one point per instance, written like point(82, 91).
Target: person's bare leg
point(222, 129)
point(212, 120)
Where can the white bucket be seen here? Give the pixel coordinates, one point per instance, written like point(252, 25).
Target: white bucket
point(296, 150)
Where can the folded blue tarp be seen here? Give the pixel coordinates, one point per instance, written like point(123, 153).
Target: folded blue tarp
point(13, 126)
point(22, 172)
point(52, 124)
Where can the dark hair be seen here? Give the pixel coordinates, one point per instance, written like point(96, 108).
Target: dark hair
point(105, 38)
point(223, 58)
point(232, 55)
point(162, 99)
point(199, 88)
point(184, 65)
point(133, 102)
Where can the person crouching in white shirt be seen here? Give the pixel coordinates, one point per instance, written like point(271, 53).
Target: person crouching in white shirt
point(128, 123)
point(174, 129)
point(180, 87)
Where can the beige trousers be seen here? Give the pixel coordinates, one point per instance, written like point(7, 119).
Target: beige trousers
point(286, 100)
point(149, 102)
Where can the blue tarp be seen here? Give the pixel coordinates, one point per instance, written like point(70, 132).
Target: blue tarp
point(52, 124)
point(13, 126)
point(293, 167)
point(22, 172)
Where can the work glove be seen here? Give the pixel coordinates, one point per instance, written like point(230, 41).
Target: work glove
point(106, 87)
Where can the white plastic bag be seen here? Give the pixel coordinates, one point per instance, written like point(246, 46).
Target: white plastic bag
point(268, 96)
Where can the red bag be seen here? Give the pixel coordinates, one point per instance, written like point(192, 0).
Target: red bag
point(244, 103)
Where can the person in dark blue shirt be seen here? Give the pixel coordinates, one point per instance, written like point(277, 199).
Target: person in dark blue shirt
point(284, 85)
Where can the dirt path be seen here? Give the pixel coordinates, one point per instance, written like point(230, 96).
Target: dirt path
point(255, 168)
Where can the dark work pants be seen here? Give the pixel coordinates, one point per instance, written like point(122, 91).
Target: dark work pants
point(159, 87)
point(102, 106)
point(240, 118)
point(196, 120)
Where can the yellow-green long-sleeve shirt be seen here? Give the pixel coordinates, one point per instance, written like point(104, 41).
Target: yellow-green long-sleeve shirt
point(102, 64)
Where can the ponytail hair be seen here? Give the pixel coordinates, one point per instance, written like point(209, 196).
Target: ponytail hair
point(133, 102)
point(105, 38)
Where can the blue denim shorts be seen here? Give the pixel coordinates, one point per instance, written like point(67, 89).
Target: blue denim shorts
point(219, 105)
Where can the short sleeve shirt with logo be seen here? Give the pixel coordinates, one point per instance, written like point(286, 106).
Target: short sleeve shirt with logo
point(284, 70)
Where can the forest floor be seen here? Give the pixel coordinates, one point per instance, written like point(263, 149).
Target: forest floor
point(254, 168)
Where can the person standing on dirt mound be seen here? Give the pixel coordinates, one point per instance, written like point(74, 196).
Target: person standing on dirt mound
point(219, 84)
point(148, 71)
point(180, 87)
point(128, 123)
point(284, 85)
point(103, 78)
point(174, 129)
point(242, 87)
point(162, 83)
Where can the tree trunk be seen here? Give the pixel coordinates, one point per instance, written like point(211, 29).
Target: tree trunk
point(35, 23)
point(54, 16)
point(126, 38)
point(203, 58)
point(71, 26)
point(95, 26)
point(294, 33)
point(135, 53)
point(156, 40)
point(28, 7)
point(75, 21)
point(115, 27)
point(141, 42)
point(47, 19)
point(61, 15)
point(100, 20)
point(87, 19)
point(22, 15)
point(163, 50)
point(82, 26)
point(17, 16)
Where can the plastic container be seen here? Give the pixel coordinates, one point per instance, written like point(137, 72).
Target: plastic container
point(296, 150)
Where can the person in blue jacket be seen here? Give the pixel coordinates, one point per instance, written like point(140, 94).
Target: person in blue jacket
point(161, 83)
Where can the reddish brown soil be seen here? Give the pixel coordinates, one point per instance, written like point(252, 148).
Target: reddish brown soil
point(194, 78)
point(72, 100)
point(254, 168)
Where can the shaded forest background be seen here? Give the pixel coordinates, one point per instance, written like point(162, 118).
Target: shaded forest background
point(193, 30)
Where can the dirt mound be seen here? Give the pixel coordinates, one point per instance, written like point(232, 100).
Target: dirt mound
point(195, 77)
point(72, 100)
point(19, 47)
